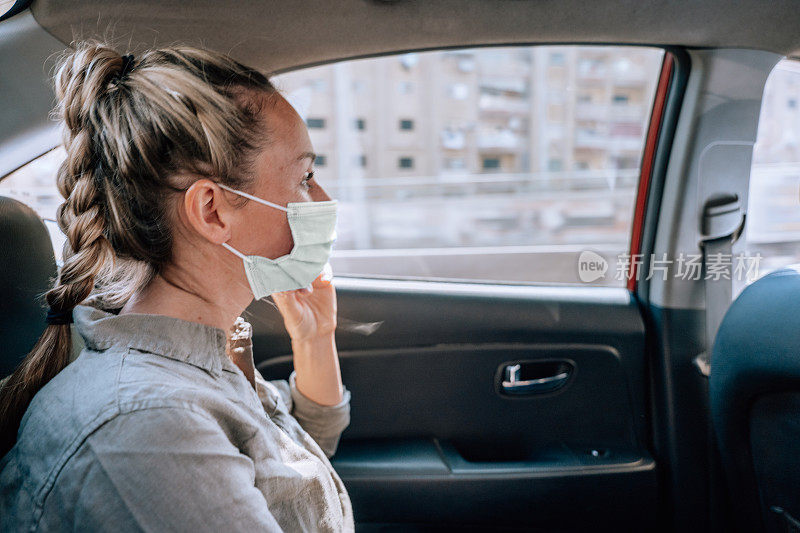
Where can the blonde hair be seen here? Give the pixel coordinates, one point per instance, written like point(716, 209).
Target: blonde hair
point(131, 127)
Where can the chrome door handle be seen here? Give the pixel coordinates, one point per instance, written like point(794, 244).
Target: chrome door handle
point(513, 385)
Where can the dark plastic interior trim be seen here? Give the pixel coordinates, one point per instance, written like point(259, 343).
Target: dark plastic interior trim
point(18, 7)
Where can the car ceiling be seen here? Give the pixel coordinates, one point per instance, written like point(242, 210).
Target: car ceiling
point(276, 36)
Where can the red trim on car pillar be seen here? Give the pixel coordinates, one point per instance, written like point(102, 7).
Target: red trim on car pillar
point(648, 159)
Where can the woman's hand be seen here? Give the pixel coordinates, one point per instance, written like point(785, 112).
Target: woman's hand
point(310, 319)
point(309, 313)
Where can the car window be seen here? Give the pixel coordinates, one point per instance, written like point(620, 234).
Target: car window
point(488, 164)
point(772, 232)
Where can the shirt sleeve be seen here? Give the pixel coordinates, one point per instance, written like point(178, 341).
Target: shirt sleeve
point(176, 470)
point(324, 423)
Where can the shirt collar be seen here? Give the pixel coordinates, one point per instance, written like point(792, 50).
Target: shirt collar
point(190, 342)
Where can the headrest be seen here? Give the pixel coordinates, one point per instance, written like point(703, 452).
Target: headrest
point(758, 343)
point(27, 269)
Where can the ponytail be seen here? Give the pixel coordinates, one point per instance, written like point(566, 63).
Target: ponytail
point(131, 126)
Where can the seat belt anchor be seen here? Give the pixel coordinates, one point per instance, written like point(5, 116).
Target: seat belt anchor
point(722, 218)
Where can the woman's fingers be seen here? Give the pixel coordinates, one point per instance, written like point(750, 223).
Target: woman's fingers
point(285, 300)
point(321, 282)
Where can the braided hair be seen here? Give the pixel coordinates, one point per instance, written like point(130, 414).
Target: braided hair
point(136, 131)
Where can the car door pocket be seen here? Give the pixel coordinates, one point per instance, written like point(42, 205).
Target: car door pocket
point(533, 377)
point(465, 458)
point(466, 455)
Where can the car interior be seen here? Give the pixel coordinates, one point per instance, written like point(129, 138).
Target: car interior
point(499, 390)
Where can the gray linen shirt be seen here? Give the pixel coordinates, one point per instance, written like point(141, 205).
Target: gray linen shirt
point(153, 428)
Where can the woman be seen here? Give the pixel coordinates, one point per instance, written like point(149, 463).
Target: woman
point(185, 173)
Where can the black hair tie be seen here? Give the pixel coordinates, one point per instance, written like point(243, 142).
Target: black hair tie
point(59, 318)
point(127, 65)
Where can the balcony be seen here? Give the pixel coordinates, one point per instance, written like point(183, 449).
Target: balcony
point(503, 104)
point(629, 75)
point(610, 112)
point(499, 140)
point(601, 141)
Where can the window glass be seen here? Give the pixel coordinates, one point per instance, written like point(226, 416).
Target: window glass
point(489, 164)
point(405, 162)
point(515, 162)
point(773, 211)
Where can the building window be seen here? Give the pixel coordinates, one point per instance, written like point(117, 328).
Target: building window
point(361, 124)
point(315, 123)
point(405, 162)
point(362, 161)
point(490, 163)
point(458, 91)
point(406, 124)
point(620, 99)
point(557, 59)
point(455, 163)
point(320, 161)
point(554, 165)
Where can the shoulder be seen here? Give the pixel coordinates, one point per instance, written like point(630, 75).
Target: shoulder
point(136, 460)
point(80, 397)
point(98, 386)
point(115, 396)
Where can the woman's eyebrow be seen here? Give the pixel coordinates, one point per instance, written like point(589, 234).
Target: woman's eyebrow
point(310, 155)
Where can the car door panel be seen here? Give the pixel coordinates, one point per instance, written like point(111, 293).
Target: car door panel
point(432, 438)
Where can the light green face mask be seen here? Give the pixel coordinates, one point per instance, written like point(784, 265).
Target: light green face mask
point(313, 227)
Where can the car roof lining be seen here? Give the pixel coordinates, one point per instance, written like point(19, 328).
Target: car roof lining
point(276, 36)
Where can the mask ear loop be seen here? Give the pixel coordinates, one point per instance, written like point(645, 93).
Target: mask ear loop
point(251, 197)
point(236, 252)
point(227, 246)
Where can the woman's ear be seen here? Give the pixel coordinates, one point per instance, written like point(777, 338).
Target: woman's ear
point(207, 211)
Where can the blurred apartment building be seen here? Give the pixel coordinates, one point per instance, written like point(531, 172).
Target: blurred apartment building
point(492, 146)
point(496, 163)
point(493, 110)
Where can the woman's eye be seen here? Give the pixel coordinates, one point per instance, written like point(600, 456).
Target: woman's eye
point(307, 178)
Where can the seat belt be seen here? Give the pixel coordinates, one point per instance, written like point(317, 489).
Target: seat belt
point(722, 224)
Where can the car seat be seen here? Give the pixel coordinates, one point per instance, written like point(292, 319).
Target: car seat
point(755, 402)
point(27, 269)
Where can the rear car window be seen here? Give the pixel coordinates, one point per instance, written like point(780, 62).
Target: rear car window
point(772, 232)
